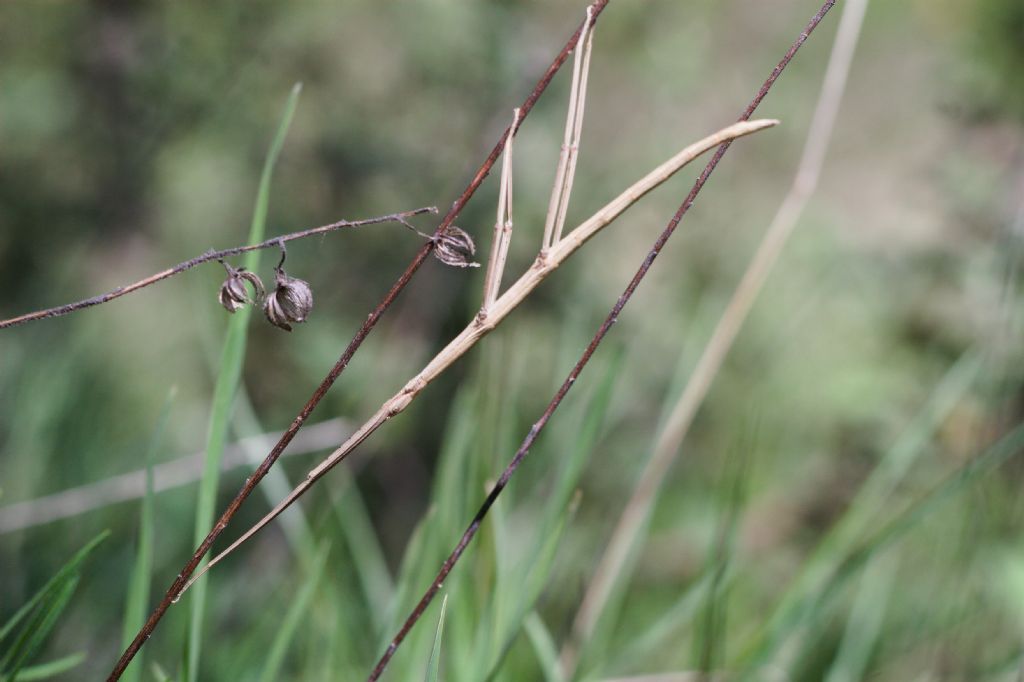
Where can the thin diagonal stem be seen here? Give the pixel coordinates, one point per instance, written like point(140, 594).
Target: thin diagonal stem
point(403, 280)
point(578, 104)
point(566, 159)
point(69, 308)
point(667, 447)
point(602, 331)
point(502, 228)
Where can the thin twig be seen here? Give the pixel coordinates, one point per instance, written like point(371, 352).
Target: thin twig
point(505, 211)
point(357, 340)
point(667, 446)
point(566, 168)
point(275, 242)
point(502, 228)
point(570, 380)
point(577, 104)
point(482, 325)
point(166, 476)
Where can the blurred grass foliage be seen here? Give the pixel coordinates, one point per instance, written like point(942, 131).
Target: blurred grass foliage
point(883, 357)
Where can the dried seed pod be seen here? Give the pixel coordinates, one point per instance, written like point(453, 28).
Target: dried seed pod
point(454, 247)
point(233, 294)
point(289, 303)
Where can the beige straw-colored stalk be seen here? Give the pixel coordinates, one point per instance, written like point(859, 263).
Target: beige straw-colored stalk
point(481, 325)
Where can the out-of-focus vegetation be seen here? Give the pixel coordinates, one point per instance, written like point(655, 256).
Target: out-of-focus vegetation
point(820, 520)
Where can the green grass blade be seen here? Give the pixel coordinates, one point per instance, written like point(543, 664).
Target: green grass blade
point(491, 569)
point(561, 507)
point(259, 217)
point(498, 593)
point(411, 575)
point(232, 357)
point(159, 674)
point(42, 612)
point(616, 589)
point(664, 631)
point(275, 486)
point(1007, 566)
point(44, 671)
point(434, 664)
point(137, 606)
point(453, 486)
point(364, 549)
point(864, 625)
point(457, 485)
point(585, 441)
point(873, 496)
point(531, 589)
point(53, 584)
point(292, 619)
point(905, 451)
point(39, 627)
point(1009, 446)
point(710, 637)
point(805, 613)
point(345, 635)
point(543, 647)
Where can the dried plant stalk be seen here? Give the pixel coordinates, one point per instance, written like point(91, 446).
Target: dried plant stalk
point(566, 169)
point(667, 446)
point(502, 226)
point(577, 105)
point(544, 265)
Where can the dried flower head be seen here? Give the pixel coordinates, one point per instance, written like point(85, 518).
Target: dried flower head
point(289, 303)
point(233, 294)
point(454, 247)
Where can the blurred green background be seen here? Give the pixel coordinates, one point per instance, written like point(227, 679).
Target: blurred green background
point(132, 136)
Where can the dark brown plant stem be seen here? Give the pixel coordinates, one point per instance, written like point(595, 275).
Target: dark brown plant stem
point(175, 589)
point(570, 380)
point(207, 257)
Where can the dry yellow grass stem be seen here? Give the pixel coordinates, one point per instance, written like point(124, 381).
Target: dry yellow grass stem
point(502, 224)
point(566, 171)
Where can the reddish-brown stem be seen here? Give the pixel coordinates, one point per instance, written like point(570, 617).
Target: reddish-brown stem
point(207, 257)
point(570, 380)
point(175, 589)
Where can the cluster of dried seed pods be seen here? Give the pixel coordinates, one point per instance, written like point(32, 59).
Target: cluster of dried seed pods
point(289, 303)
point(291, 300)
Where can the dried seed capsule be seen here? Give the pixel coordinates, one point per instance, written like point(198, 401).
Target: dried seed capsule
point(454, 247)
point(233, 294)
point(289, 303)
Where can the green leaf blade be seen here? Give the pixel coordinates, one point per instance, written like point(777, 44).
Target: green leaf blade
point(232, 358)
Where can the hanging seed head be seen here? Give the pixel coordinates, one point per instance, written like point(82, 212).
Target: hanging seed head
point(233, 294)
point(454, 247)
point(289, 303)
